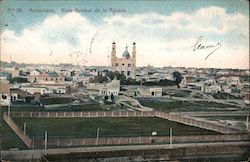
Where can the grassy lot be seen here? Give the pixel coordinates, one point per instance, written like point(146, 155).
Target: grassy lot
point(87, 127)
point(177, 92)
point(180, 106)
point(85, 107)
point(56, 100)
point(225, 96)
point(9, 139)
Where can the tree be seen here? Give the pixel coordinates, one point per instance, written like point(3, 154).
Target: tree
point(177, 78)
point(99, 79)
point(106, 99)
point(112, 97)
point(19, 80)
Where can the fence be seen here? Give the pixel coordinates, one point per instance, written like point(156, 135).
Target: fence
point(84, 114)
point(62, 142)
point(58, 142)
point(17, 130)
point(172, 117)
point(197, 123)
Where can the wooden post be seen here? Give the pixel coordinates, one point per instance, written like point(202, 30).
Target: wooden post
point(248, 121)
point(45, 140)
point(171, 138)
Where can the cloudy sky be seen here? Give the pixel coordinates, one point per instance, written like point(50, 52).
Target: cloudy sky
point(167, 33)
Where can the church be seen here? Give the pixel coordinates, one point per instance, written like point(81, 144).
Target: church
point(126, 64)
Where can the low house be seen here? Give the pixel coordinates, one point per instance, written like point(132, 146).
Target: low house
point(210, 86)
point(35, 89)
point(234, 80)
point(151, 91)
point(196, 86)
point(17, 95)
point(211, 89)
point(226, 89)
point(4, 93)
point(53, 87)
point(104, 89)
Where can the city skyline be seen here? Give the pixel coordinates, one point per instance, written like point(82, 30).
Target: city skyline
point(165, 33)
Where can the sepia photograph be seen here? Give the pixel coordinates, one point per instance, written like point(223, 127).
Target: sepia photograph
point(124, 81)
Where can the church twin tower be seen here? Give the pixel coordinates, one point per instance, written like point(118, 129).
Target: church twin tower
point(125, 65)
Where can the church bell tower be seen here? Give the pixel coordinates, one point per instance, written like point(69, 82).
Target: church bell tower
point(113, 54)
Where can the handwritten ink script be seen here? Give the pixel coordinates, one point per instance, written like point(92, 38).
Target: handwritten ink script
point(212, 47)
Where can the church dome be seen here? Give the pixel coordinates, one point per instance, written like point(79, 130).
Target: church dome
point(126, 53)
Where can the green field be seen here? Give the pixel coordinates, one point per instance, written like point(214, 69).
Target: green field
point(236, 118)
point(9, 139)
point(182, 106)
point(87, 127)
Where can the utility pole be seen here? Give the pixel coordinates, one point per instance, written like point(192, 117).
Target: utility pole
point(97, 136)
point(171, 138)
point(24, 128)
point(9, 112)
point(247, 122)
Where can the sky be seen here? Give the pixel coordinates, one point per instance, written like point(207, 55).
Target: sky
point(194, 33)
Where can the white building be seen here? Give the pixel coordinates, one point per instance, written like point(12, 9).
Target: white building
point(35, 90)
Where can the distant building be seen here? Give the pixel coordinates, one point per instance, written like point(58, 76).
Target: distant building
point(5, 75)
point(84, 78)
point(125, 65)
point(37, 75)
point(247, 98)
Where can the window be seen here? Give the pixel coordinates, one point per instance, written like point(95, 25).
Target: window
point(123, 64)
point(4, 97)
point(128, 73)
point(129, 65)
point(122, 72)
point(116, 64)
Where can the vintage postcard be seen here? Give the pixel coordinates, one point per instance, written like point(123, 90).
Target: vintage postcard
point(123, 80)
